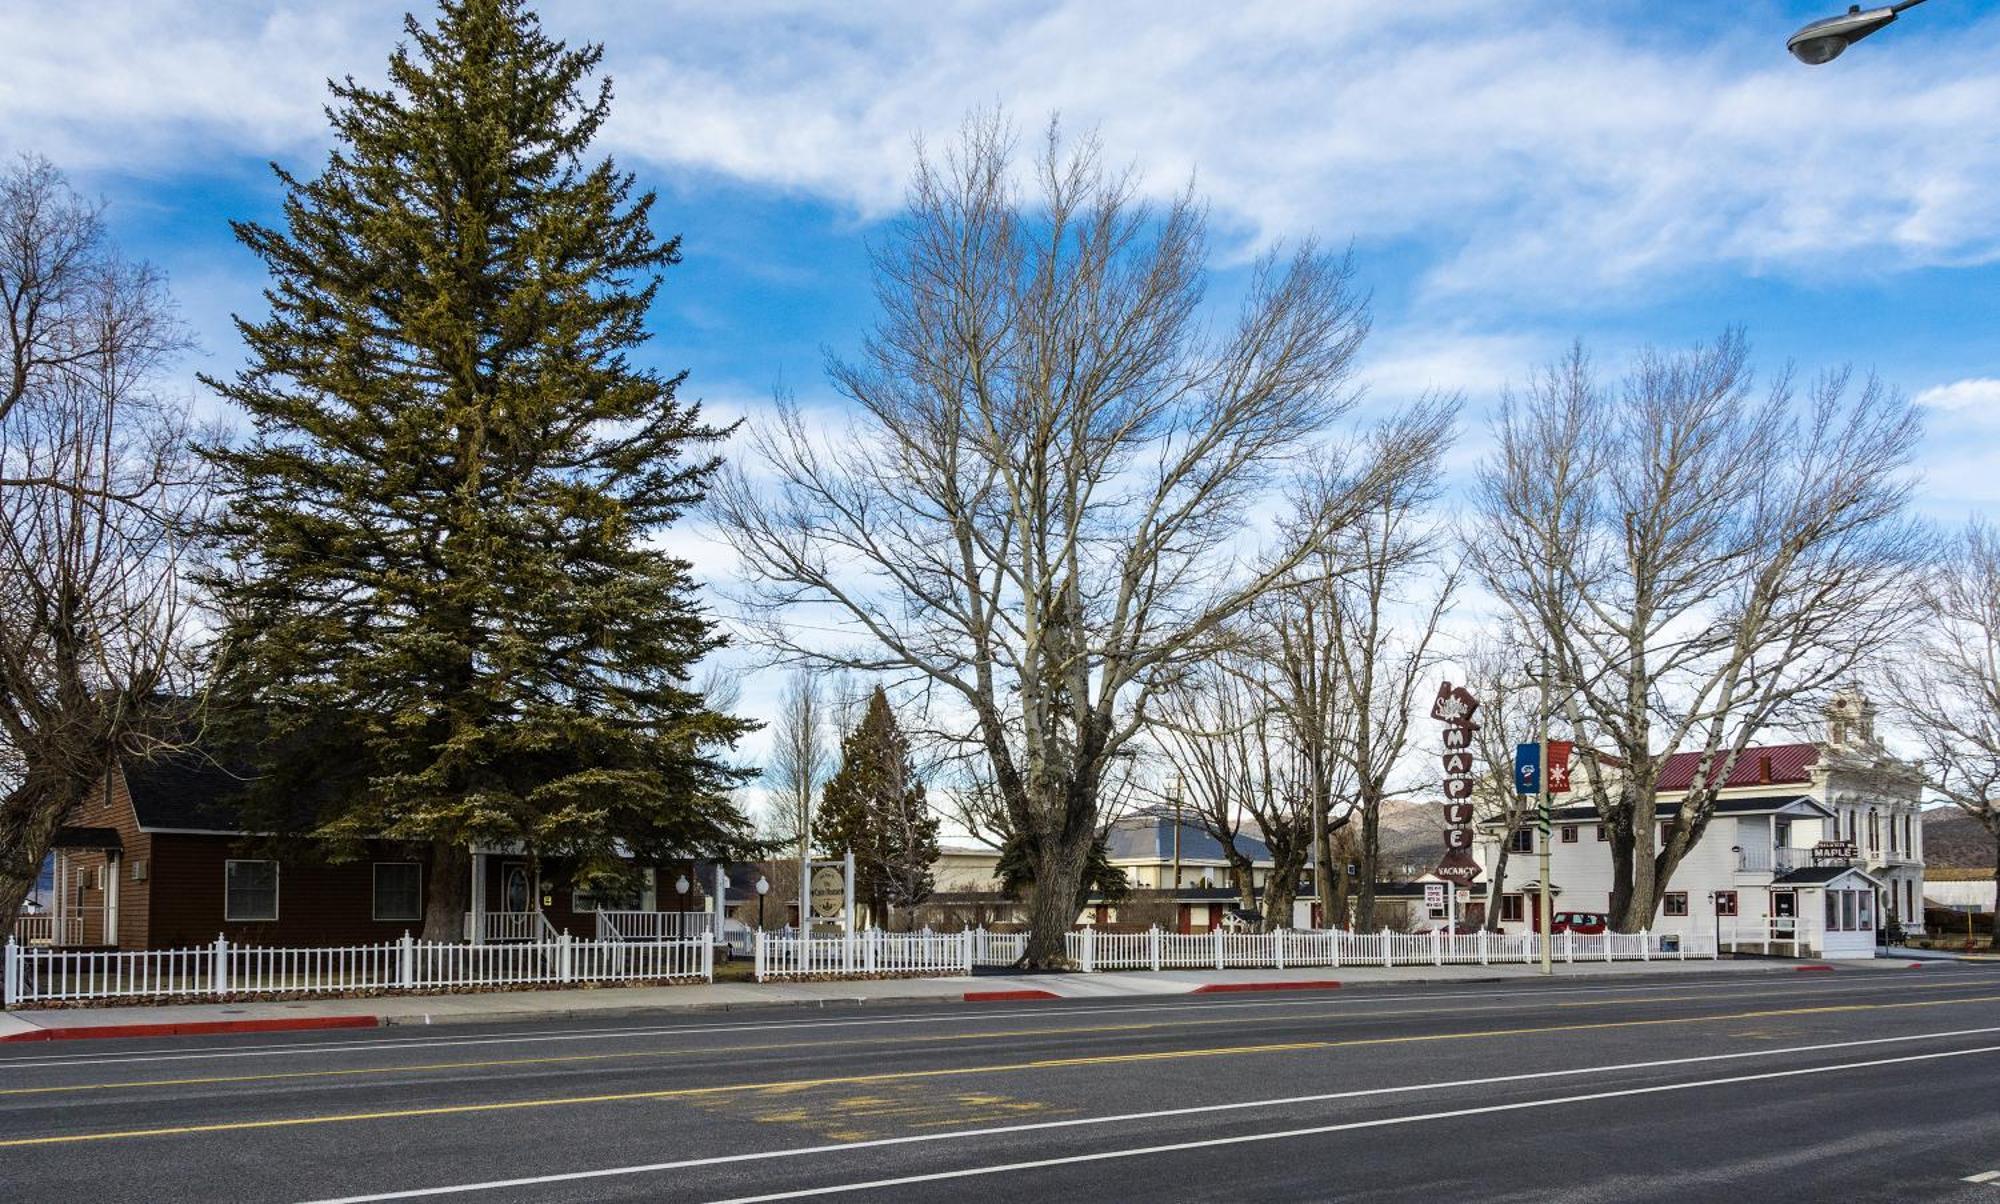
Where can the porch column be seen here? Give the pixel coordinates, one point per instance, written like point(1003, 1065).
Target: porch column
point(60, 904)
point(478, 897)
point(111, 864)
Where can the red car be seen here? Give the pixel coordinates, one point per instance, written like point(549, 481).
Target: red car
point(1583, 923)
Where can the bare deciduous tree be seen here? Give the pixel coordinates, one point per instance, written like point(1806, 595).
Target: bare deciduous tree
point(96, 488)
point(1700, 563)
point(1949, 686)
point(801, 757)
point(1047, 505)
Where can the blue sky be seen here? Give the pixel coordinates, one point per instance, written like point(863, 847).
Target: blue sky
point(1623, 171)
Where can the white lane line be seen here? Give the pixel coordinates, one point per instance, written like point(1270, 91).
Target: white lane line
point(1820, 985)
point(419, 1193)
point(1983, 1177)
point(1345, 1127)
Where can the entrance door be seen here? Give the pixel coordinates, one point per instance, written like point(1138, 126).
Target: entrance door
point(515, 889)
point(1784, 913)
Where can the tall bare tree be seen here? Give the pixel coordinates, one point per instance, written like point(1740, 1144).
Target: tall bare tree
point(801, 758)
point(1225, 748)
point(1386, 606)
point(1048, 502)
point(96, 488)
point(1948, 686)
point(1701, 563)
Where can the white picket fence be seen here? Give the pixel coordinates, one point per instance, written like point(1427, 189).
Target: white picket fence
point(38, 975)
point(785, 956)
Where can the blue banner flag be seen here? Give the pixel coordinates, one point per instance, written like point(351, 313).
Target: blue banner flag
point(1527, 768)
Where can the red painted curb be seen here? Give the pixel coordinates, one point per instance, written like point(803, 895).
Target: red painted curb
point(1802, 969)
point(193, 1028)
point(1003, 996)
point(1914, 966)
point(1217, 988)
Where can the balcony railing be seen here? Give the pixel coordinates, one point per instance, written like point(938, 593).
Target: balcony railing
point(510, 926)
point(1781, 860)
point(41, 929)
point(653, 925)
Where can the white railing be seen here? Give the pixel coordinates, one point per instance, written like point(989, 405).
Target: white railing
point(42, 929)
point(654, 925)
point(44, 975)
point(1782, 859)
point(870, 952)
point(515, 926)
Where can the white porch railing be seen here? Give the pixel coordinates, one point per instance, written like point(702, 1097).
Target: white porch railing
point(654, 925)
point(44, 975)
point(513, 926)
point(42, 929)
point(871, 952)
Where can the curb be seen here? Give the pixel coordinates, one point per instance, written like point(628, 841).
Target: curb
point(1808, 969)
point(1223, 988)
point(1008, 996)
point(193, 1028)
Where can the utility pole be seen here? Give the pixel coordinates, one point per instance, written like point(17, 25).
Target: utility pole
point(1543, 818)
point(1177, 833)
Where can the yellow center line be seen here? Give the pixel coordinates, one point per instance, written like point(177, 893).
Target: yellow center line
point(951, 1072)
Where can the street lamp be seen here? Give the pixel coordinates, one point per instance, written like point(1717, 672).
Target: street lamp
point(763, 888)
point(1824, 40)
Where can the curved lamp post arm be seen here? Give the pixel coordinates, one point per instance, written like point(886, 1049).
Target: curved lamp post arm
point(1824, 40)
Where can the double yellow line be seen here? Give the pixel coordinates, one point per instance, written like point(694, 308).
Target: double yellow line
point(950, 1072)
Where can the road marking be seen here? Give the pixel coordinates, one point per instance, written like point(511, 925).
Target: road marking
point(1129, 1117)
point(1847, 984)
point(953, 1071)
point(1343, 1127)
point(1983, 1177)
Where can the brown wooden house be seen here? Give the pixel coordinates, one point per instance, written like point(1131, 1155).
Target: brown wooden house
point(161, 858)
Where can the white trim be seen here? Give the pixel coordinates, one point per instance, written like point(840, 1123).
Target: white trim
point(275, 874)
point(375, 891)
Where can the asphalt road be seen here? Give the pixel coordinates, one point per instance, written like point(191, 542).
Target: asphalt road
point(1856, 1085)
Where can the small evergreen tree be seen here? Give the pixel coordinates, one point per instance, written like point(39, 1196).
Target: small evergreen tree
point(874, 807)
point(438, 574)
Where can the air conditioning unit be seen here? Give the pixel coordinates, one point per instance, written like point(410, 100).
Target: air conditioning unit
point(138, 869)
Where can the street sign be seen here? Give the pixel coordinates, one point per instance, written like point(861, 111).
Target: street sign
point(829, 892)
point(1454, 707)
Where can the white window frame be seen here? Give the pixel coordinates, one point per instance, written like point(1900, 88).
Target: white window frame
point(375, 891)
point(276, 885)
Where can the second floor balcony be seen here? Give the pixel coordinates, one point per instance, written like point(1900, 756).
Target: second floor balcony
point(1780, 860)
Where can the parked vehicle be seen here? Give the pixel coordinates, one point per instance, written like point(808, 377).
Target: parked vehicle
point(1583, 923)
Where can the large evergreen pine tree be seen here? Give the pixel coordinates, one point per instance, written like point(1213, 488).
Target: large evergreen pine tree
point(874, 807)
point(442, 595)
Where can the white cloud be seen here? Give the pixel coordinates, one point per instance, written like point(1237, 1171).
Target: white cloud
point(1978, 396)
point(1558, 157)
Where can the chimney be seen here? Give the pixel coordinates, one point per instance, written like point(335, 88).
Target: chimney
point(1764, 768)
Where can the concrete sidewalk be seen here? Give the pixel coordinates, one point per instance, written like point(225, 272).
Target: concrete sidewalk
point(191, 1019)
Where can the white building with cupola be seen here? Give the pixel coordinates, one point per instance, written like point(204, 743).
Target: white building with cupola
point(1812, 850)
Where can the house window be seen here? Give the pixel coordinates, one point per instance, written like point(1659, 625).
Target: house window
point(1909, 841)
point(1676, 903)
point(1521, 840)
point(1725, 902)
point(399, 890)
point(1864, 903)
point(1850, 825)
point(1666, 834)
point(249, 890)
point(1892, 835)
point(1833, 911)
point(1602, 833)
point(1569, 833)
point(1511, 909)
point(1910, 900)
point(1874, 830)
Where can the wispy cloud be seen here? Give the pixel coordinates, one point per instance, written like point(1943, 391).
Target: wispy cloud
point(1564, 155)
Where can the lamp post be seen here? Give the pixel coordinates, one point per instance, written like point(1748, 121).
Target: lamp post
point(1824, 40)
point(763, 888)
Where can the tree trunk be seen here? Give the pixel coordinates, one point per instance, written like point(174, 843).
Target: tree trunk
point(1371, 849)
point(1058, 881)
point(29, 818)
point(1497, 887)
point(447, 892)
point(1621, 871)
point(1327, 884)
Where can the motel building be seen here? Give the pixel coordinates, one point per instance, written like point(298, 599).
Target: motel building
point(1812, 848)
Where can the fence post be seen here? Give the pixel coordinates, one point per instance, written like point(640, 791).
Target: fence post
point(1610, 941)
point(1153, 946)
point(1482, 944)
point(1387, 959)
point(1088, 946)
point(564, 964)
point(1333, 938)
point(10, 980)
point(757, 957)
point(707, 960)
point(1569, 945)
point(1278, 946)
point(406, 961)
point(1645, 944)
point(218, 970)
point(1217, 934)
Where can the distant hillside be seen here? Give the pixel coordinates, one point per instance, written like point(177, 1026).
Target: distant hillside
point(1953, 838)
point(1412, 837)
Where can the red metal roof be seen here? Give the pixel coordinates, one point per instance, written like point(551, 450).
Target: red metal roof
point(1759, 765)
